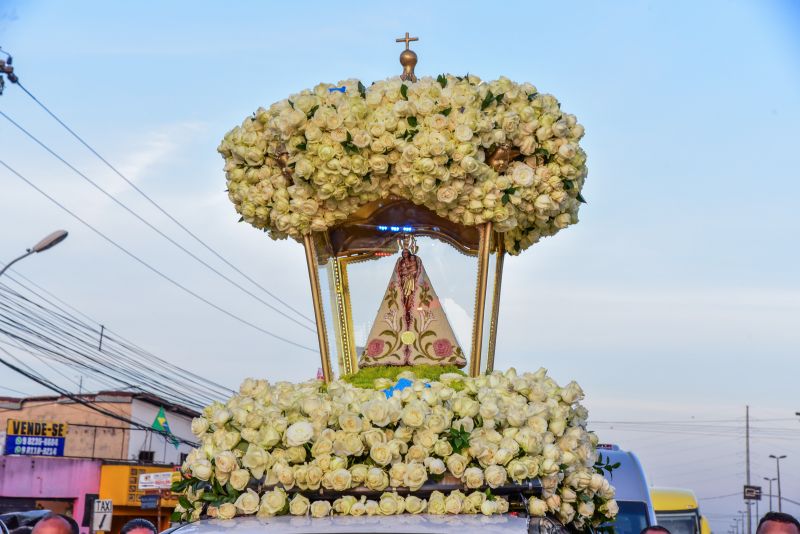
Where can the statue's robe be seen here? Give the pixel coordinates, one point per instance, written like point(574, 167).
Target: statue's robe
point(411, 327)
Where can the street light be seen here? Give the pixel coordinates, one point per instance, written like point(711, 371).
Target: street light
point(770, 480)
point(778, 466)
point(48, 241)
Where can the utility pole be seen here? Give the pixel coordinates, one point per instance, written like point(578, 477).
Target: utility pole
point(778, 468)
point(747, 456)
point(770, 480)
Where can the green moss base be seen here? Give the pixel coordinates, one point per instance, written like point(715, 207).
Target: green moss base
point(365, 378)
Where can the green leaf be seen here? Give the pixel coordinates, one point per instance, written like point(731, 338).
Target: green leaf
point(487, 100)
point(442, 79)
point(542, 152)
point(241, 219)
point(362, 90)
point(209, 497)
point(412, 121)
point(532, 96)
point(581, 199)
point(511, 190)
point(175, 517)
point(568, 185)
point(290, 102)
point(185, 503)
point(446, 111)
point(349, 137)
point(312, 111)
point(300, 146)
point(404, 91)
point(506, 199)
point(499, 98)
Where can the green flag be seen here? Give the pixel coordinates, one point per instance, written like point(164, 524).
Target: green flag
point(160, 423)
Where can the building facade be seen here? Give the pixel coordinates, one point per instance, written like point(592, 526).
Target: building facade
point(62, 455)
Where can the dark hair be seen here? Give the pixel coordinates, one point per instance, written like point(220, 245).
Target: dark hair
point(138, 523)
point(73, 525)
point(655, 528)
point(25, 529)
point(778, 517)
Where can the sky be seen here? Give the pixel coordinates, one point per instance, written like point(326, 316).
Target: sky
point(676, 299)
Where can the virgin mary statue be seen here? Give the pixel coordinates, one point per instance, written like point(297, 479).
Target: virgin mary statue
point(411, 327)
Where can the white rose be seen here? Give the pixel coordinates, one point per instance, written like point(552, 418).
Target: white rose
point(391, 504)
point(436, 503)
point(299, 434)
point(226, 511)
point(610, 509)
point(415, 476)
point(248, 502)
point(320, 509)
point(415, 505)
point(463, 133)
point(454, 502)
point(446, 194)
point(537, 507)
point(340, 479)
point(489, 507)
point(299, 505)
point(473, 477)
point(377, 479)
point(225, 461)
point(202, 469)
point(586, 509)
point(495, 475)
point(273, 503)
point(521, 174)
point(435, 466)
point(413, 414)
point(199, 426)
point(381, 453)
point(239, 479)
point(456, 464)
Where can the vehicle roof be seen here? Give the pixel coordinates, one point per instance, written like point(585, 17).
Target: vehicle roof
point(673, 499)
point(629, 479)
point(400, 524)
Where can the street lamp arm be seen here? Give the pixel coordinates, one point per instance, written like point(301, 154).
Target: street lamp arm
point(15, 260)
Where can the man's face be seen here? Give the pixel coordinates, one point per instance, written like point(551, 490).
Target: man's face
point(778, 527)
point(52, 526)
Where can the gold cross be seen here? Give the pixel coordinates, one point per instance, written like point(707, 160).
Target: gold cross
point(407, 40)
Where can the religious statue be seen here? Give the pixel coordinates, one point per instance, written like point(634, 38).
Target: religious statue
point(411, 327)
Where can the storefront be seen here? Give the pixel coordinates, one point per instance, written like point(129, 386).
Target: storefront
point(120, 483)
point(63, 485)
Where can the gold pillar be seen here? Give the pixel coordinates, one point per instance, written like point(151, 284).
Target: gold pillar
point(498, 278)
point(348, 362)
point(480, 299)
point(316, 297)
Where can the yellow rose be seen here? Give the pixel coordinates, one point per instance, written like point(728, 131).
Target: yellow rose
point(320, 509)
point(299, 505)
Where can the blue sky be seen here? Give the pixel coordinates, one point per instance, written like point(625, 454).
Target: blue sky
point(676, 297)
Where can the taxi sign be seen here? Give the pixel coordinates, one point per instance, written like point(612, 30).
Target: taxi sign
point(101, 518)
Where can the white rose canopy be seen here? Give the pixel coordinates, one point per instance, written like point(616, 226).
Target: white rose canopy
point(472, 152)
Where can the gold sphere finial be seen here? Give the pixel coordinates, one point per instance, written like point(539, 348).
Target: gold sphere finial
point(408, 58)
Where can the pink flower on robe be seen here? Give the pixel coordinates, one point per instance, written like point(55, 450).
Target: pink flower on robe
point(442, 348)
point(375, 347)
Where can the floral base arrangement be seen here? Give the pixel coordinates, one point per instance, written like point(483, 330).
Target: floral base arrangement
point(322, 449)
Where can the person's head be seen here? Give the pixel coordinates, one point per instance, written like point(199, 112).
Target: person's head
point(55, 524)
point(655, 529)
point(139, 526)
point(778, 523)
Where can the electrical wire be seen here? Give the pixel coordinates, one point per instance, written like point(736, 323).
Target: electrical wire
point(156, 205)
point(150, 225)
point(153, 269)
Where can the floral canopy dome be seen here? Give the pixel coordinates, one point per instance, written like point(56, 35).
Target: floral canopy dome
point(469, 151)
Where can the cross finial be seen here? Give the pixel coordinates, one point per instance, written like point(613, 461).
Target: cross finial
point(406, 39)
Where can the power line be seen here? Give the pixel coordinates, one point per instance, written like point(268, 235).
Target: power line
point(150, 225)
point(150, 267)
point(155, 204)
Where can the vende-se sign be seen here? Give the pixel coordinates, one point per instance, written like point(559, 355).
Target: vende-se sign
point(35, 438)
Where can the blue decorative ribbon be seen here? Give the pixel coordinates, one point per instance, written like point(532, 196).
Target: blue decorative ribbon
point(341, 89)
point(401, 384)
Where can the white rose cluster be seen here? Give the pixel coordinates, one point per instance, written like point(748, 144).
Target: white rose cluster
point(310, 161)
point(269, 448)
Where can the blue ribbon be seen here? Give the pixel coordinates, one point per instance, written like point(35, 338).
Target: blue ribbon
point(401, 384)
point(341, 89)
